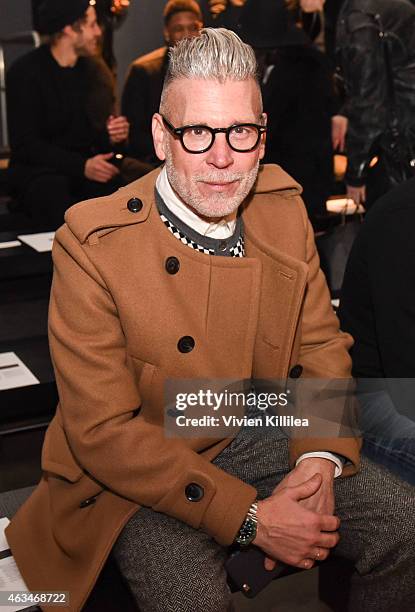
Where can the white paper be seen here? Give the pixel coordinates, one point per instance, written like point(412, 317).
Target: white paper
point(14, 373)
point(11, 580)
point(344, 206)
point(41, 242)
point(10, 244)
point(3, 542)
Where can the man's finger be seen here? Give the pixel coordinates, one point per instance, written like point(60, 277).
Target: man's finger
point(104, 174)
point(306, 564)
point(319, 553)
point(117, 129)
point(104, 156)
point(269, 564)
point(363, 194)
point(119, 121)
point(328, 540)
point(116, 133)
point(99, 178)
point(110, 168)
point(329, 523)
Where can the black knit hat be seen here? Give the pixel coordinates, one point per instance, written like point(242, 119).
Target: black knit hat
point(54, 15)
point(267, 24)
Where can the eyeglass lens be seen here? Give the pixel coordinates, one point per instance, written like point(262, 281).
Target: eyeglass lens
point(241, 137)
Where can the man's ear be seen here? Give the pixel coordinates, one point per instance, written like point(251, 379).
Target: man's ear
point(166, 36)
point(69, 31)
point(264, 120)
point(159, 134)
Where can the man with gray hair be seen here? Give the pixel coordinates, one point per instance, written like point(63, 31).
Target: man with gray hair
point(205, 269)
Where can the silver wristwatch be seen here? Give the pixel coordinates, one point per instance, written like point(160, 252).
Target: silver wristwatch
point(248, 529)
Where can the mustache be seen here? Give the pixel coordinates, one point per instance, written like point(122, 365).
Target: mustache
point(220, 177)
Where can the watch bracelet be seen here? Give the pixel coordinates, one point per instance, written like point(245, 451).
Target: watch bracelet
point(250, 515)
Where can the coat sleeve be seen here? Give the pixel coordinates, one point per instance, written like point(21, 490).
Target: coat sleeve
point(377, 305)
point(99, 396)
point(323, 353)
point(357, 312)
point(366, 93)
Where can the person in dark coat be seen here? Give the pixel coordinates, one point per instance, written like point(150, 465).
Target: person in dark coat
point(376, 49)
point(298, 98)
point(142, 90)
point(315, 15)
point(60, 98)
point(110, 13)
point(377, 309)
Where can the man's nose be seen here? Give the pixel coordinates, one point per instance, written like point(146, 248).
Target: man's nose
point(220, 154)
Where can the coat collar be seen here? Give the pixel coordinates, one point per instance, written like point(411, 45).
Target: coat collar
point(94, 218)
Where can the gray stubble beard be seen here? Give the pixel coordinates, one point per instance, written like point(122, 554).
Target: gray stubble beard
point(219, 205)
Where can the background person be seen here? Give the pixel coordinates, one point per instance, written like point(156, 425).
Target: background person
point(377, 309)
point(142, 90)
point(370, 36)
point(298, 97)
point(60, 100)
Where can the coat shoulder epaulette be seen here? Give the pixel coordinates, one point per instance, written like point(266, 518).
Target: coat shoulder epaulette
point(272, 178)
point(91, 219)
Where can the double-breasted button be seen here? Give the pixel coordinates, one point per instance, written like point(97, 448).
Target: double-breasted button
point(186, 344)
point(194, 492)
point(172, 265)
point(296, 371)
point(134, 205)
point(88, 502)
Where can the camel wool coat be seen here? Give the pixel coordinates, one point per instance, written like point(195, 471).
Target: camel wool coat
point(116, 317)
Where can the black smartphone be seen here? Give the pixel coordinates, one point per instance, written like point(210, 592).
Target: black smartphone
point(246, 571)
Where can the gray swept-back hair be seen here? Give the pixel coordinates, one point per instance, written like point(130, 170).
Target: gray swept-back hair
point(217, 54)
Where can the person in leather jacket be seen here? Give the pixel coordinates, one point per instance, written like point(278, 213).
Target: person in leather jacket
point(364, 29)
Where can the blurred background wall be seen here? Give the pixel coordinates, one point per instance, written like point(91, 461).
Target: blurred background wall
point(141, 32)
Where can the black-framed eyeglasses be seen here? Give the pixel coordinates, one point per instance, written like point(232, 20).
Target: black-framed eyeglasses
point(241, 137)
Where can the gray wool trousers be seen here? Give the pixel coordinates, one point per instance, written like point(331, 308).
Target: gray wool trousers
point(171, 567)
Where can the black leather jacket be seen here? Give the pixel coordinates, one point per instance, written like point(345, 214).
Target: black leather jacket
point(361, 26)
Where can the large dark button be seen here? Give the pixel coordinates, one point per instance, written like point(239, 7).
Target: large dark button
point(186, 344)
point(88, 502)
point(194, 492)
point(172, 265)
point(223, 246)
point(134, 205)
point(296, 371)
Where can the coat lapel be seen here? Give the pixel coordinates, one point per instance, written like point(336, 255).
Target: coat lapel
point(282, 291)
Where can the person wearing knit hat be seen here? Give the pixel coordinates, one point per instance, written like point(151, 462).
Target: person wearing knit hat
point(142, 90)
point(63, 134)
point(54, 15)
point(298, 97)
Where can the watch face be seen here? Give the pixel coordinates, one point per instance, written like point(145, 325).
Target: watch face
point(247, 532)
